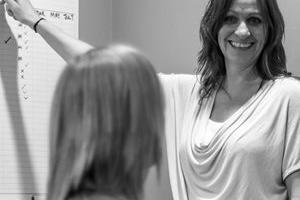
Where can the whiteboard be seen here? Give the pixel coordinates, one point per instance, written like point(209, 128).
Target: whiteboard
point(29, 69)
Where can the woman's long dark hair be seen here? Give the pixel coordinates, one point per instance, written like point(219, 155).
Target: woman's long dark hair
point(211, 65)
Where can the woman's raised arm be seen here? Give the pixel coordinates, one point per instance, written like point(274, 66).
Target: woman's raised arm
point(65, 45)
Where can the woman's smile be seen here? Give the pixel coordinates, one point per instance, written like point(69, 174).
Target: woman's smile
point(241, 45)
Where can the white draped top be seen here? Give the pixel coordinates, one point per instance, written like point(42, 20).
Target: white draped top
point(250, 154)
point(211, 130)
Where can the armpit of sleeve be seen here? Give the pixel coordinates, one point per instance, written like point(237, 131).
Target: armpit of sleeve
point(177, 89)
point(291, 157)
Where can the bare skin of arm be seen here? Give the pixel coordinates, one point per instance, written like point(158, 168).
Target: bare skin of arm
point(65, 45)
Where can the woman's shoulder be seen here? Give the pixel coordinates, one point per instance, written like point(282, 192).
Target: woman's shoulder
point(179, 87)
point(177, 77)
point(287, 87)
point(178, 81)
point(289, 83)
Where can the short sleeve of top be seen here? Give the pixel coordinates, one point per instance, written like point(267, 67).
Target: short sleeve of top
point(177, 90)
point(291, 155)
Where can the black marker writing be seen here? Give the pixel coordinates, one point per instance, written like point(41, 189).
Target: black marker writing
point(6, 41)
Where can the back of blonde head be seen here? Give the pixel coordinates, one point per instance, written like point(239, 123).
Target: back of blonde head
point(106, 124)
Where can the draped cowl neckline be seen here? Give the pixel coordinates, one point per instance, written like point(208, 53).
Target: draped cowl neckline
point(204, 165)
point(232, 123)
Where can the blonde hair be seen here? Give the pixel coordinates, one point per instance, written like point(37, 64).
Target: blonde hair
point(106, 124)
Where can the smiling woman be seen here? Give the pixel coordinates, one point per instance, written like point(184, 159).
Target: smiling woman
point(242, 70)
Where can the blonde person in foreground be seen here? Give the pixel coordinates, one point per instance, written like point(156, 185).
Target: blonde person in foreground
point(233, 129)
point(106, 126)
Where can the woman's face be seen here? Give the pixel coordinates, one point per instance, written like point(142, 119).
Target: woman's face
point(243, 34)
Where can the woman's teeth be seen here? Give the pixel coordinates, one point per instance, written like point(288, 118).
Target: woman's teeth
point(240, 45)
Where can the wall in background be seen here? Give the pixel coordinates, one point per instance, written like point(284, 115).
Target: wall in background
point(167, 31)
point(290, 10)
point(95, 21)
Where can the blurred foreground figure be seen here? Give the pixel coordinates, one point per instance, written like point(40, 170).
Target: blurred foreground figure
point(106, 124)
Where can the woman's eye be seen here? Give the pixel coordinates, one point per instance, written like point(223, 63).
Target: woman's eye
point(254, 21)
point(230, 19)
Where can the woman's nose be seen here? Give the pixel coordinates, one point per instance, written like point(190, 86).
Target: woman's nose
point(242, 30)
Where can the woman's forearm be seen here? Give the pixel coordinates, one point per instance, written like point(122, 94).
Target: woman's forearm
point(65, 45)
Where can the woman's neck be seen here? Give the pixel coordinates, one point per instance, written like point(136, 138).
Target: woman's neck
point(241, 79)
point(238, 73)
